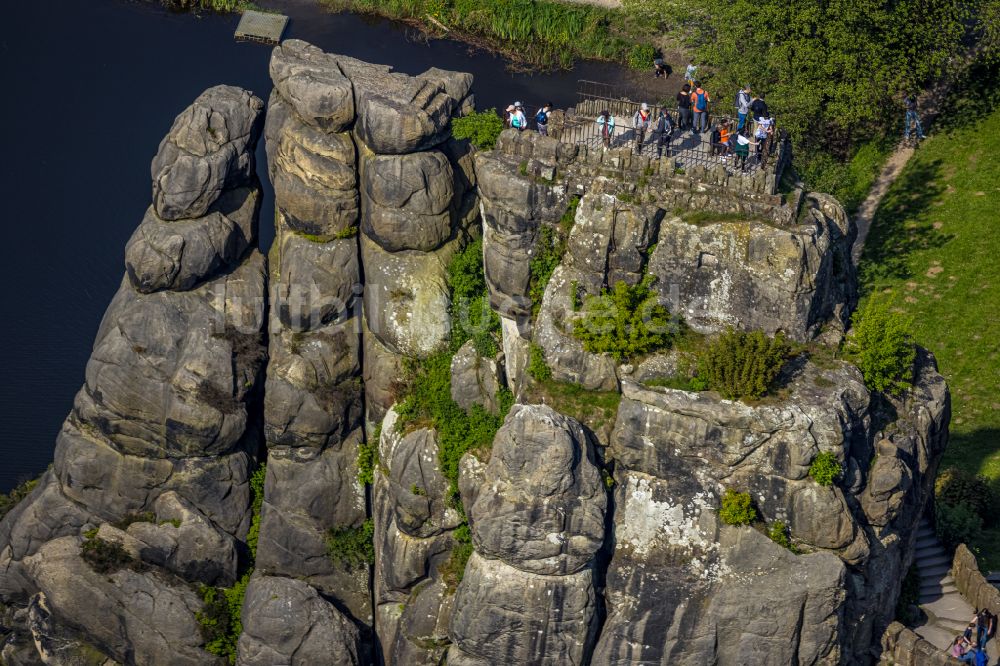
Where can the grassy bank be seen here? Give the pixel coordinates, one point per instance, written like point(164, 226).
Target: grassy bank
point(533, 32)
point(934, 245)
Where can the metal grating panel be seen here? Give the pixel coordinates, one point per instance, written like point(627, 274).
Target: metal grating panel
point(261, 27)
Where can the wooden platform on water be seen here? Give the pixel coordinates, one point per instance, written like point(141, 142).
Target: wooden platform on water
point(261, 27)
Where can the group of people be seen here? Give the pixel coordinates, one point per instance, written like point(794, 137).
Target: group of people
point(754, 125)
point(514, 117)
point(970, 646)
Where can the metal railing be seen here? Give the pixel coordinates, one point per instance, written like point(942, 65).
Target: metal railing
point(687, 148)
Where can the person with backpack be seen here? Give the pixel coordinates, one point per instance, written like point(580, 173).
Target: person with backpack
point(985, 627)
point(912, 117)
point(742, 106)
point(606, 121)
point(758, 107)
point(684, 120)
point(517, 119)
point(699, 102)
point(641, 122)
point(664, 132)
point(542, 119)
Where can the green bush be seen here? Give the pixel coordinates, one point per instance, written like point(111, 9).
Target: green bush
point(481, 128)
point(352, 546)
point(104, 556)
point(957, 524)
point(957, 487)
point(18, 493)
point(453, 570)
point(881, 343)
point(625, 322)
point(825, 468)
point(471, 315)
point(742, 365)
point(548, 253)
point(537, 367)
point(220, 618)
point(257, 500)
point(737, 508)
point(641, 56)
point(367, 461)
point(779, 533)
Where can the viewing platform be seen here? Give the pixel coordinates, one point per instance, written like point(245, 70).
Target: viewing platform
point(261, 27)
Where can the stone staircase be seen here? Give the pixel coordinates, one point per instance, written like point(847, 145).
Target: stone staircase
point(947, 611)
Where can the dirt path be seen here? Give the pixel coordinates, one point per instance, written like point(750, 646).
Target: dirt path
point(866, 211)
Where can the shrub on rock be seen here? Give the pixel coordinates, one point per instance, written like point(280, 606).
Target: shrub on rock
point(625, 322)
point(737, 508)
point(743, 365)
point(480, 127)
point(881, 343)
point(825, 469)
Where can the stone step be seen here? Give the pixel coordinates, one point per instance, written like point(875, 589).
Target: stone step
point(929, 540)
point(934, 573)
point(925, 533)
point(931, 594)
point(950, 609)
point(933, 561)
point(946, 581)
point(937, 636)
point(993, 576)
point(932, 550)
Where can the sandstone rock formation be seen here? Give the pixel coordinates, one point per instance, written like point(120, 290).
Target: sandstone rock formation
point(165, 429)
point(559, 542)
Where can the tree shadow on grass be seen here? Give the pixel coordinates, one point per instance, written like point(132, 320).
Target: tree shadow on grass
point(899, 230)
point(973, 97)
point(971, 450)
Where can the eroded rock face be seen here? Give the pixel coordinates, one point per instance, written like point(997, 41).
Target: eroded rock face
point(475, 380)
point(408, 200)
point(753, 276)
point(506, 615)
point(542, 510)
point(208, 150)
point(167, 423)
point(286, 622)
point(678, 577)
point(314, 172)
point(179, 255)
point(138, 617)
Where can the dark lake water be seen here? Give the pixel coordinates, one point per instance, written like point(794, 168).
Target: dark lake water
point(89, 89)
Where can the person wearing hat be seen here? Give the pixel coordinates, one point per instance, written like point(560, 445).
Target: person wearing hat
point(641, 121)
point(517, 119)
point(606, 121)
point(508, 114)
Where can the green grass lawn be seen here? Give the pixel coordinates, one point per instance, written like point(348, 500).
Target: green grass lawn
point(935, 244)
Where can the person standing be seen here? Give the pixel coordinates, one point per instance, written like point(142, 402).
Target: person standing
point(743, 101)
point(641, 122)
point(606, 121)
point(664, 132)
point(699, 102)
point(517, 119)
point(542, 119)
point(758, 107)
point(742, 150)
point(508, 115)
point(689, 74)
point(912, 117)
point(684, 108)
